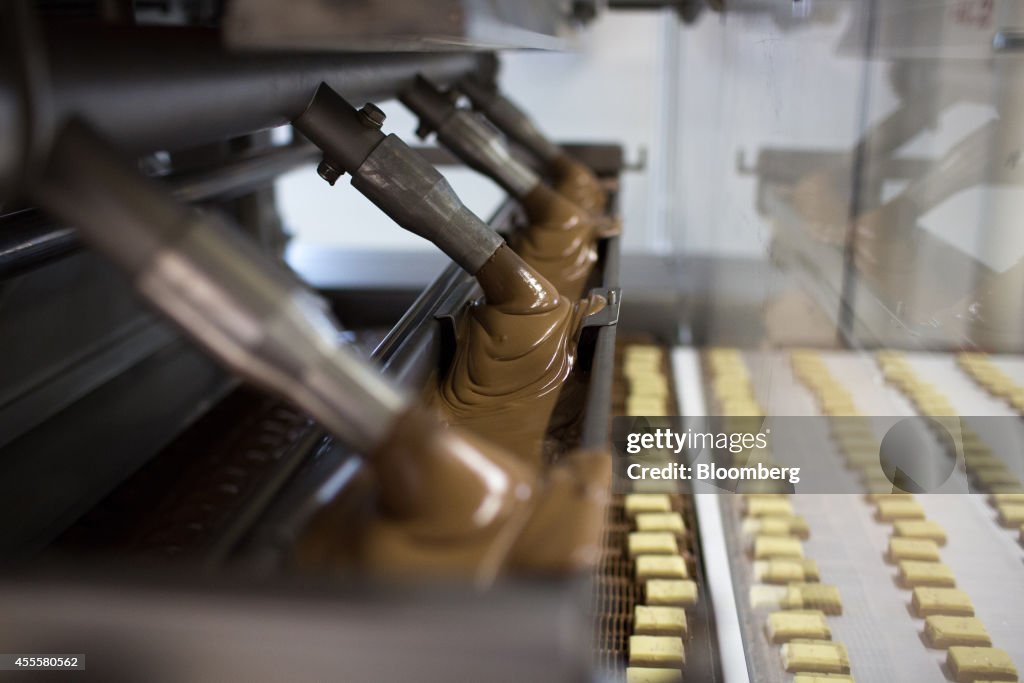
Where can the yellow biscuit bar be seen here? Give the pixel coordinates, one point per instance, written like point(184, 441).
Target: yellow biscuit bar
point(762, 507)
point(1006, 488)
point(661, 521)
point(766, 547)
point(913, 549)
point(770, 597)
point(943, 631)
point(990, 476)
point(969, 664)
point(659, 651)
point(636, 503)
point(783, 627)
point(920, 529)
point(671, 592)
point(817, 596)
point(639, 674)
point(786, 571)
point(778, 526)
point(822, 678)
point(815, 657)
point(652, 543)
point(914, 573)
point(890, 510)
point(646, 407)
point(659, 621)
point(954, 602)
point(875, 497)
point(1008, 498)
point(660, 567)
point(1011, 514)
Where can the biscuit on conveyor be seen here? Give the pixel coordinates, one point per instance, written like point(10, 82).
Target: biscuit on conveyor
point(815, 656)
point(942, 631)
point(980, 663)
point(948, 601)
point(1006, 488)
point(822, 678)
point(660, 567)
point(659, 621)
point(651, 543)
point(913, 549)
point(767, 547)
point(654, 385)
point(890, 510)
point(646, 407)
point(661, 521)
point(635, 503)
point(777, 526)
point(915, 573)
point(639, 674)
point(762, 507)
point(1011, 514)
point(671, 592)
point(786, 571)
point(920, 529)
point(783, 627)
point(816, 596)
point(874, 481)
point(1008, 498)
point(875, 497)
point(658, 651)
point(995, 476)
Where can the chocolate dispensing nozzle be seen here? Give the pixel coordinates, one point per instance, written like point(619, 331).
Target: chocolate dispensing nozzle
point(469, 136)
point(395, 178)
point(510, 119)
point(257, 318)
point(572, 178)
point(559, 241)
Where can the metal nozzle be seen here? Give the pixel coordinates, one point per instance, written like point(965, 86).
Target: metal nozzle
point(469, 136)
point(249, 311)
point(510, 119)
point(397, 179)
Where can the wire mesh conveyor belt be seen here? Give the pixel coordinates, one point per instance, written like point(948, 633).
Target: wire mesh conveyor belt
point(879, 625)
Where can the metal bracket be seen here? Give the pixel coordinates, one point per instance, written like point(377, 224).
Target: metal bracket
point(609, 315)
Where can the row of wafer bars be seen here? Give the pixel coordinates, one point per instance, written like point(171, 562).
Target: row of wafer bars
point(787, 591)
point(988, 472)
point(648, 569)
point(948, 613)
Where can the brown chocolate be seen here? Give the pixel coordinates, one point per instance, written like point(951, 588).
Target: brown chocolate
point(560, 241)
point(578, 183)
point(563, 533)
point(515, 350)
point(448, 504)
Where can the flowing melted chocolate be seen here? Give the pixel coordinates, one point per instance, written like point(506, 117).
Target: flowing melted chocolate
point(560, 242)
point(453, 507)
point(449, 505)
point(515, 350)
point(579, 184)
point(564, 530)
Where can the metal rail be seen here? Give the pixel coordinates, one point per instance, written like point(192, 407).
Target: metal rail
point(157, 88)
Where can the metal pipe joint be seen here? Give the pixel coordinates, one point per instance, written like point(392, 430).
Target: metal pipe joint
point(395, 178)
point(510, 119)
point(469, 136)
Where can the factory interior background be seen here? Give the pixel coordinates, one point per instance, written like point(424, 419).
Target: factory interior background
point(707, 367)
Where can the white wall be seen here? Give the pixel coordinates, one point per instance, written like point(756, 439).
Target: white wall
point(603, 91)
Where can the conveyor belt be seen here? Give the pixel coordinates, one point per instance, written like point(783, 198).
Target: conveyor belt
point(881, 633)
